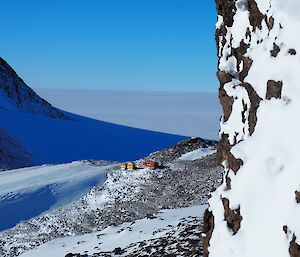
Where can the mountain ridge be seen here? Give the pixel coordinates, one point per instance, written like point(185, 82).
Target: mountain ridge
point(21, 96)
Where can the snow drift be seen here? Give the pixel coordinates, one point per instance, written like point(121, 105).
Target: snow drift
point(256, 212)
point(37, 190)
point(53, 136)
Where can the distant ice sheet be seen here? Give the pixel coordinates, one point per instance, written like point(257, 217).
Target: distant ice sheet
point(188, 114)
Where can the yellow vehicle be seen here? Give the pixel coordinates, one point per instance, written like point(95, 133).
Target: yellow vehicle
point(131, 166)
point(123, 166)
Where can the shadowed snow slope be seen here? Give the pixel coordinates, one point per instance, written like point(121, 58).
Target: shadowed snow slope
point(60, 140)
point(38, 189)
point(53, 136)
point(13, 154)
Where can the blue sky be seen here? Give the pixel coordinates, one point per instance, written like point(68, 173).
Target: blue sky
point(111, 44)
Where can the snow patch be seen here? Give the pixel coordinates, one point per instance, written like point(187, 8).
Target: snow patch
point(197, 154)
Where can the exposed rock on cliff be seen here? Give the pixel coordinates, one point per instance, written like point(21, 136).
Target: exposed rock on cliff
point(258, 70)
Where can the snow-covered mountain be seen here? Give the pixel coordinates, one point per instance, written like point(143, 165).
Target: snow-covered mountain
point(256, 210)
point(52, 136)
point(14, 93)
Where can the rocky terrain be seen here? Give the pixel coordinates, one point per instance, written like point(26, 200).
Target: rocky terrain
point(125, 197)
point(182, 240)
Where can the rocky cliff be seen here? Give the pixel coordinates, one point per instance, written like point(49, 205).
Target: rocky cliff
point(254, 212)
point(14, 93)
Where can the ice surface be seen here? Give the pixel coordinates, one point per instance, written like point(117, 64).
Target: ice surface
point(188, 114)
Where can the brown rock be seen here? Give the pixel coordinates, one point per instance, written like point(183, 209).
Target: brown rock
point(274, 89)
point(285, 229)
point(275, 51)
point(247, 63)
point(208, 227)
point(224, 153)
point(294, 248)
point(224, 77)
point(292, 51)
point(226, 102)
point(228, 182)
point(255, 16)
point(239, 54)
point(227, 9)
point(255, 101)
point(233, 217)
point(297, 196)
point(270, 22)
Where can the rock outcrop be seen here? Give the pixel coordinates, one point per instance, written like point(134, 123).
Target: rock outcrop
point(254, 212)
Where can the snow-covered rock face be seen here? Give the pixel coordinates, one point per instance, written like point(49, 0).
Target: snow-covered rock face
point(255, 212)
point(14, 93)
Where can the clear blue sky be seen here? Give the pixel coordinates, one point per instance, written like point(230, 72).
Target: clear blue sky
point(111, 44)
